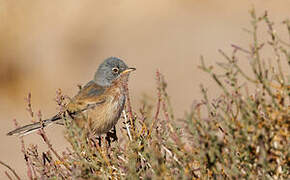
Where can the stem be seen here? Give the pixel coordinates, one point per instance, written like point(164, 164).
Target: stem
point(11, 169)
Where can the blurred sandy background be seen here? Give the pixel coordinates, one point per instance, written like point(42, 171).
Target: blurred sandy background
point(45, 45)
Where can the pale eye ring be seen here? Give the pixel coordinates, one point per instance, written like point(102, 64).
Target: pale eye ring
point(115, 70)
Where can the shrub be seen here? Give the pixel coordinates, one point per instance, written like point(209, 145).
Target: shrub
point(243, 133)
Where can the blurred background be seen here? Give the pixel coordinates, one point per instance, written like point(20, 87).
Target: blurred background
point(46, 45)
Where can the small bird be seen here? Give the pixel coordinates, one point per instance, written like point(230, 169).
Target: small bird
point(98, 105)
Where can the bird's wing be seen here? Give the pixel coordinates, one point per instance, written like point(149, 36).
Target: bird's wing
point(91, 89)
point(88, 97)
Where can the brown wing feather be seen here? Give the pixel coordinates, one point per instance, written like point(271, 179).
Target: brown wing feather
point(90, 94)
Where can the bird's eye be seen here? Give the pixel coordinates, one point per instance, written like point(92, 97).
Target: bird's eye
point(115, 70)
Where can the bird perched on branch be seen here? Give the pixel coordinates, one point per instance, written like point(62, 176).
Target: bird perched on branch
point(98, 105)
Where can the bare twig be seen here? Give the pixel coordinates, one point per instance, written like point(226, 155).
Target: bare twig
point(158, 94)
point(11, 169)
point(129, 107)
point(142, 157)
point(274, 44)
point(29, 106)
point(158, 102)
point(9, 177)
point(29, 173)
point(171, 154)
point(42, 133)
point(241, 49)
point(127, 125)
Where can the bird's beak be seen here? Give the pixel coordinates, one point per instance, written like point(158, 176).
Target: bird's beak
point(128, 70)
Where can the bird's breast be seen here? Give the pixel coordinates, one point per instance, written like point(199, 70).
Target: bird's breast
point(104, 116)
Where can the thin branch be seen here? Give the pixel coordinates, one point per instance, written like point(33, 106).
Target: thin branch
point(142, 157)
point(127, 125)
point(9, 177)
point(29, 105)
point(158, 94)
point(235, 64)
point(171, 154)
point(11, 169)
point(129, 107)
point(42, 133)
point(241, 49)
point(29, 173)
point(158, 102)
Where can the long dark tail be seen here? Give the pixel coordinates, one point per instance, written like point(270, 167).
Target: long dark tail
point(27, 129)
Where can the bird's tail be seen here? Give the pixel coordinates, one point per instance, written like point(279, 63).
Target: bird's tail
point(27, 129)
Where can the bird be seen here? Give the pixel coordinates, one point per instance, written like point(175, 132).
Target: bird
point(97, 106)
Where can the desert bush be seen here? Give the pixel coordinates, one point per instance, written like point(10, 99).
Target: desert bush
point(241, 134)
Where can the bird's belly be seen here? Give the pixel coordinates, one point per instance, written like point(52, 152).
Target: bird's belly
point(102, 118)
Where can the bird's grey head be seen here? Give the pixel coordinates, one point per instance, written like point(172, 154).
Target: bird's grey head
point(110, 70)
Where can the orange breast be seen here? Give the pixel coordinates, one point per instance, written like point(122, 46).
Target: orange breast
point(104, 116)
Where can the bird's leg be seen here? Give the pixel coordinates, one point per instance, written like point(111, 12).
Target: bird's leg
point(108, 139)
point(99, 138)
point(45, 159)
point(68, 114)
point(112, 135)
point(115, 137)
